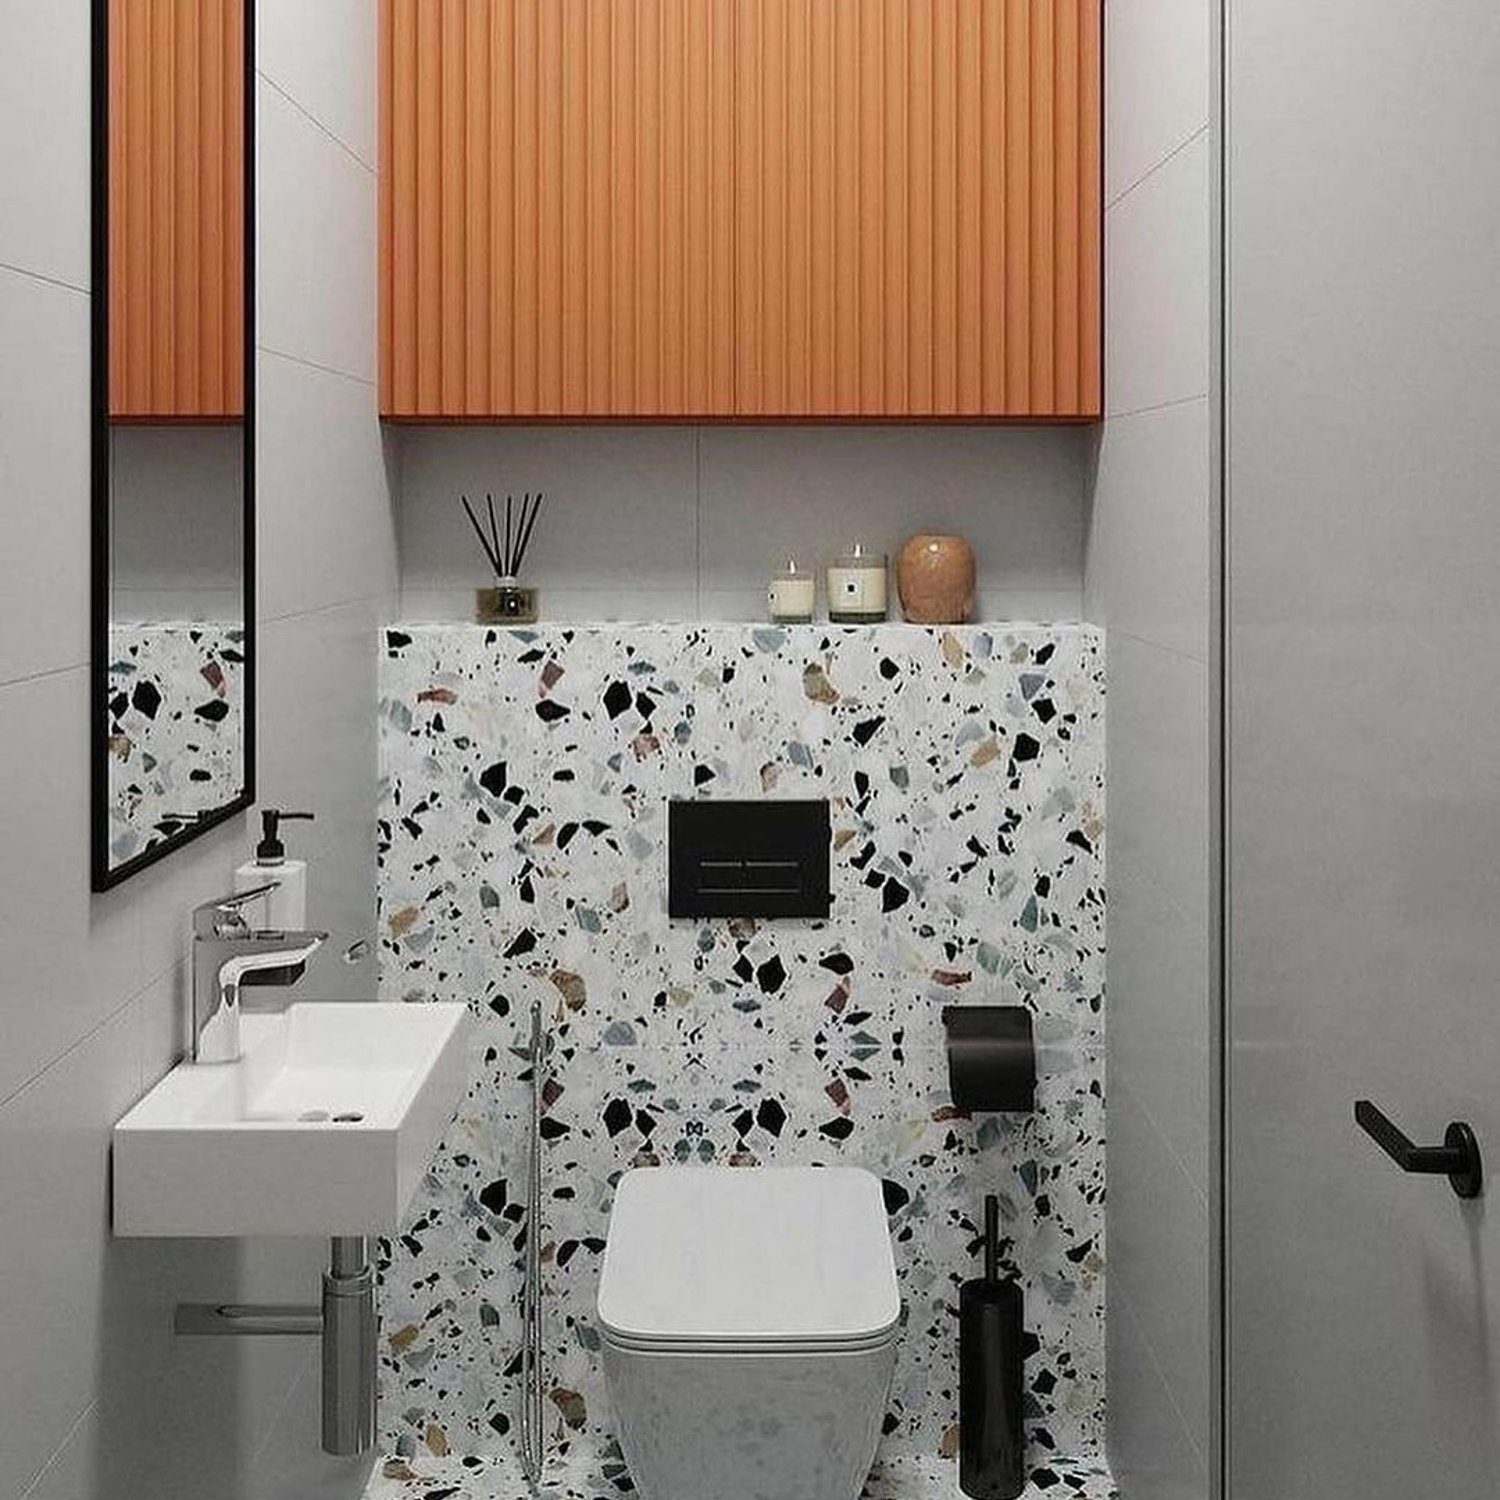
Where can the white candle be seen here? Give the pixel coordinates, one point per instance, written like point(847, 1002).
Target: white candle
point(856, 586)
point(792, 595)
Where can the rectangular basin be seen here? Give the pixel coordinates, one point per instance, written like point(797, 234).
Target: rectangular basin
point(324, 1127)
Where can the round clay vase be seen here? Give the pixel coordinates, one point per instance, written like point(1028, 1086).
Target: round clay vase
point(935, 575)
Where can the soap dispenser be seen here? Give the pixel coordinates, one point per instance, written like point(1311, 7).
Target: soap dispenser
point(285, 908)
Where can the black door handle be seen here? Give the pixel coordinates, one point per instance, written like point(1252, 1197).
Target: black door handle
point(1457, 1158)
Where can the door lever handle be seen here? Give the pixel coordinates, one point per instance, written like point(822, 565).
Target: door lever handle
point(1457, 1158)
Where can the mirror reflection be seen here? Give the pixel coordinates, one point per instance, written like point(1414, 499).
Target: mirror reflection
point(175, 436)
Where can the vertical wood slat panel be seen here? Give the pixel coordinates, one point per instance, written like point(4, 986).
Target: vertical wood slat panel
point(741, 208)
point(427, 205)
point(1090, 208)
point(945, 206)
point(476, 206)
point(236, 211)
point(1065, 135)
point(176, 210)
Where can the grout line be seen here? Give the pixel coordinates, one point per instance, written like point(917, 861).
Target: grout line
point(1156, 166)
point(107, 1020)
point(307, 114)
point(1155, 406)
point(57, 281)
point(29, 677)
point(72, 1432)
point(1126, 1086)
point(1161, 1377)
point(279, 1419)
point(327, 607)
point(1144, 640)
point(312, 364)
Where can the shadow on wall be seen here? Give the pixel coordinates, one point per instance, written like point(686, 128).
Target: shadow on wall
point(172, 1415)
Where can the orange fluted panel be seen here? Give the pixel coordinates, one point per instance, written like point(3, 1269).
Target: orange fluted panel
point(176, 209)
point(1091, 208)
point(740, 208)
point(917, 208)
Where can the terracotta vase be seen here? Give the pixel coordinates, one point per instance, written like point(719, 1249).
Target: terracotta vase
point(935, 575)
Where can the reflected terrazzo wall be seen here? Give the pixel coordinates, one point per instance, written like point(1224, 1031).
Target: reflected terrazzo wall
point(176, 727)
point(526, 778)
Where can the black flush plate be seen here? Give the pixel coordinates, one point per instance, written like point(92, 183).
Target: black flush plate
point(748, 859)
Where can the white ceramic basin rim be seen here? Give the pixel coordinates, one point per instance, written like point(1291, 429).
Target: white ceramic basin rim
point(324, 1127)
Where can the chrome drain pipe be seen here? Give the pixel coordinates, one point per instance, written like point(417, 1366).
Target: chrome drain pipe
point(346, 1325)
point(348, 1349)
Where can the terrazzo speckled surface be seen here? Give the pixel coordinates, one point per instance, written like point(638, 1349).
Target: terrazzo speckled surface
point(176, 727)
point(910, 1478)
point(526, 776)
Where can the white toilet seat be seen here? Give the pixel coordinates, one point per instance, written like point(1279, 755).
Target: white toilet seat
point(742, 1348)
point(749, 1257)
point(748, 1318)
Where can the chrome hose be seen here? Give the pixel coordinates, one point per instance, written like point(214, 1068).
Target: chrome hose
point(533, 1437)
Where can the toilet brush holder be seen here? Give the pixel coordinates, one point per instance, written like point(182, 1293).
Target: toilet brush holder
point(991, 1360)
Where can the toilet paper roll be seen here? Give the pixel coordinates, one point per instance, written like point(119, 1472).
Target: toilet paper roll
point(991, 1057)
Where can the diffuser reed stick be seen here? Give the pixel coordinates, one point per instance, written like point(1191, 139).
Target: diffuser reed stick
point(510, 602)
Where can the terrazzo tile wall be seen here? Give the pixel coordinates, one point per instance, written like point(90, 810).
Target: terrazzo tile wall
point(176, 727)
point(526, 776)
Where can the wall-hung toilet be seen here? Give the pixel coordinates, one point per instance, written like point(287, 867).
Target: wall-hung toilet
point(749, 1318)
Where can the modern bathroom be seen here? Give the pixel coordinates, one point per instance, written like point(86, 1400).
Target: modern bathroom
point(811, 822)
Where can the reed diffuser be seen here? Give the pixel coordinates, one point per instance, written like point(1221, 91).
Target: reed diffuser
point(510, 602)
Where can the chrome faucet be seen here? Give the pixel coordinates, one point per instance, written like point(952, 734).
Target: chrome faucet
point(228, 955)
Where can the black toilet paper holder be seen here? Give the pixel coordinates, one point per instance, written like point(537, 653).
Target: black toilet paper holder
point(991, 1057)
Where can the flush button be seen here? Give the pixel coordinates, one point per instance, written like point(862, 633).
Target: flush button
point(748, 859)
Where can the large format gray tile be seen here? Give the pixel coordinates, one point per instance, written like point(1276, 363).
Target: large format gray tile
point(323, 56)
point(44, 473)
point(318, 754)
point(1156, 58)
point(220, 1397)
point(316, 246)
point(1158, 1015)
point(1156, 277)
point(811, 490)
point(1150, 1452)
point(54, 1175)
point(1159, 771)
point(44, 138)
point(327, 534)
point(76, 1471)
point(291, 1464)
point(71, 959)
point(620, 520)
point(1159, 1253)
point(1147, 567)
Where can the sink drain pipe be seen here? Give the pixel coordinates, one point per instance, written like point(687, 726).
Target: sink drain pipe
point(346, 1324)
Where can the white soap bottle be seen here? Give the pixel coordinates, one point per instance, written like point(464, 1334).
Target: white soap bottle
point(285, 908)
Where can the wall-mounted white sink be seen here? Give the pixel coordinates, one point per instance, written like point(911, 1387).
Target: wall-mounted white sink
point(324, 1127)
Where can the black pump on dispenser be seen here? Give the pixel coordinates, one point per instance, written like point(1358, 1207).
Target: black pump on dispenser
point(991, 1358)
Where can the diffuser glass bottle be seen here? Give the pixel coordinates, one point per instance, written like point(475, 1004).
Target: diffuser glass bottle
point(509, 602)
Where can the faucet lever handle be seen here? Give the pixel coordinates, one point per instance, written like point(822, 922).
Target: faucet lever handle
point(227, 910)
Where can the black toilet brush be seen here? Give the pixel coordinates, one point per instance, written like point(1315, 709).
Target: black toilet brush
point(991, 1333)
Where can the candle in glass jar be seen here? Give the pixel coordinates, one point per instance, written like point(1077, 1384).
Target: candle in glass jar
point(856, 587)
point(791, 595)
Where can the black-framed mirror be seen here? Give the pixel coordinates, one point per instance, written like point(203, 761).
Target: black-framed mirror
point(173, 425)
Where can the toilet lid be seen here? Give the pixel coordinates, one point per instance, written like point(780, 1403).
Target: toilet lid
point(748, 1256)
